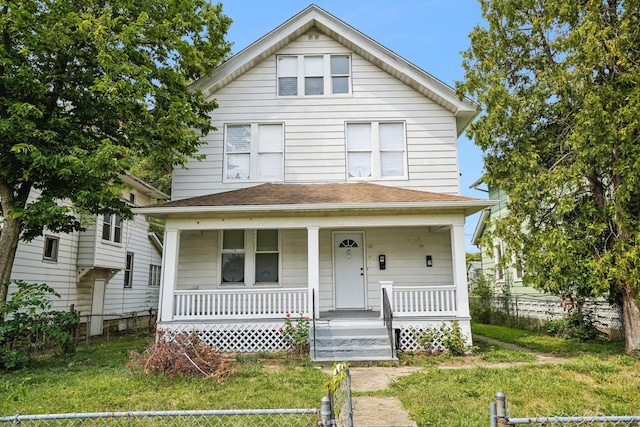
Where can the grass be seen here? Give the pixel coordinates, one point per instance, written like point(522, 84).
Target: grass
point(95, 379)
point(594, 379)
point(546, 344)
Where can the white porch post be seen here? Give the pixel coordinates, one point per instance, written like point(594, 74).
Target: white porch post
point(169, 274)
point(313, 268)
point(460, 270)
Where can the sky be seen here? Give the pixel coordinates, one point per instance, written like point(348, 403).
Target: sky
point(428, 33)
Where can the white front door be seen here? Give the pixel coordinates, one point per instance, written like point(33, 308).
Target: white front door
point(348, 263)
point(97, 307)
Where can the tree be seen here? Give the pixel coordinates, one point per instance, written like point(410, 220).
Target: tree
point(559, 83)
point(85, 87)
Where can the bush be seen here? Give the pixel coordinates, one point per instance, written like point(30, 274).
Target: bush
point(28, 326)
point(578, 324)
point(183, 354)
point(445, 339)
point(296, 333)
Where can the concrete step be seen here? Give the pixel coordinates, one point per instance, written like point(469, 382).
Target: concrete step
point(352, 341)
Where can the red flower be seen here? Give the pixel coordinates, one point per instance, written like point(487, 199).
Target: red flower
point(288, 315)
point(301, 314)
point(293, 328)
point(306, 317)
point(280, 330)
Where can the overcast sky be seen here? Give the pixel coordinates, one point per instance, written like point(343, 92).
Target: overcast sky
point(429, 33)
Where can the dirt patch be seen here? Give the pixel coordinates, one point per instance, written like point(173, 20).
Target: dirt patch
point(379, 411)
point(373, 379)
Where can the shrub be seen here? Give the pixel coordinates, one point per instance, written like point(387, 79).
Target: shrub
point(445, 339)
point(578, 324)
point(183, 354)
point(296, 333)
point(29, 327)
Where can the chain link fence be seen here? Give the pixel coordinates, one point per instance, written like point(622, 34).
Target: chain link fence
point(499, 418)
point(336, 410)
point(222, 418)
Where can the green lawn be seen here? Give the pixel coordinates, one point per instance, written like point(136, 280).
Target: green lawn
point(592, 378)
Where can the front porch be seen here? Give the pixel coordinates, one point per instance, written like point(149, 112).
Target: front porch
point(250, 320)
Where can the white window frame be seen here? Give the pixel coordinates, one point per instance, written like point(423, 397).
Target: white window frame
point(250, 250)
point(375, 151)
point(254, 153)
point(54, 251)
point(114, 223)
point(128, 270)
point(155, 273)
point(326, 76)
point(499, 268)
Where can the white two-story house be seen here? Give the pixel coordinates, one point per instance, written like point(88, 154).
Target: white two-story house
point(110, 272)
point(331, 188)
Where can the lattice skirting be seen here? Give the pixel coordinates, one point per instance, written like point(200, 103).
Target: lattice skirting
point(409, 335)
point(237, 337)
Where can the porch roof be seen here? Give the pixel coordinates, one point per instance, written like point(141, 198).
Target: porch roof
point(305, 197)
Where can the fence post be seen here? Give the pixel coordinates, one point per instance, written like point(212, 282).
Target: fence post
point(492, 414)
point(501, 410)
point(325, 411)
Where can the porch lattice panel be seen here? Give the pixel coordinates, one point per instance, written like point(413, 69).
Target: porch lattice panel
point(240, 337)
point(409, 337)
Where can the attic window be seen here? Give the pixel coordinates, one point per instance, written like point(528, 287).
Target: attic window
point(314, 75)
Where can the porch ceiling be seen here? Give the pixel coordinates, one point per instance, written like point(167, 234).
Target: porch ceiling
point(317, 197)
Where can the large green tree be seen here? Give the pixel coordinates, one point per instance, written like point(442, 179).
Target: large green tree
point(86, 86)
point(559, 83)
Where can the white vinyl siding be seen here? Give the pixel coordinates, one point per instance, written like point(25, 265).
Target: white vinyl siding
point(375, 150)
point(254, 152)
point(315, 134)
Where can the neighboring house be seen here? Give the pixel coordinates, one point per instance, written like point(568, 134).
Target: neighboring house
point(333, 180)
point(109, 273)
point(474, 271)
point(507, 276)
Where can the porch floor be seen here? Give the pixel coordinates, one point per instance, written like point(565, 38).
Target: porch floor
point(349, 314)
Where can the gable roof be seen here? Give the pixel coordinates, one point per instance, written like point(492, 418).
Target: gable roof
point(305, 197)
point(315, 17)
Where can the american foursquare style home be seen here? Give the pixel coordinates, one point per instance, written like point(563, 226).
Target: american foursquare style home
point(331, 190)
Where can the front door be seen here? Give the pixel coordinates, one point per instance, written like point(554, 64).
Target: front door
point(349, 270)
point(97, 307)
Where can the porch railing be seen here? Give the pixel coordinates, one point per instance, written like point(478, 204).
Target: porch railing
point(408, 301)
point(239, 304)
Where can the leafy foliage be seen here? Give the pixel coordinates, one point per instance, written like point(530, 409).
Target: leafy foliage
point(559, 85)
point(296, 332)
point(450, 337)
point(578, 324)
point(183, 354)
point(88, 87)
point(28, 326)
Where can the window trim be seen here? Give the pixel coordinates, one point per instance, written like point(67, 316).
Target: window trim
point(327, 76)
point(115, 228)
point(54, 256)
point(254, 153)
point(155, 275)
point(375, 151)
point(250, 250)
point(128, 270)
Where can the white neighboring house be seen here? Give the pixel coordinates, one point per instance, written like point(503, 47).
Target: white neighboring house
point(108, 272)
point(332, 180)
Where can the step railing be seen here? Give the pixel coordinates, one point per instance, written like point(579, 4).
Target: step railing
point(387, 314)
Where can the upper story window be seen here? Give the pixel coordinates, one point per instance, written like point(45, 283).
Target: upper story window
point(254, 152)
point(128, 270)
point(376, 150)
point(50, 248)
point(112, 228)
point(314, 75)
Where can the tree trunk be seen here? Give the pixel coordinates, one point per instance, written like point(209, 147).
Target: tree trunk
point(9, 238)
point(631, 319)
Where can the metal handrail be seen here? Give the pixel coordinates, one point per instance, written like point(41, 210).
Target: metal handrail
point(388, 320)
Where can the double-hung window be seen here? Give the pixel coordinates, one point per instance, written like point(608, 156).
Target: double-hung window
point(154, 275)
point(310, 75)
point(112, 228)
point(233, 256)
point(267, 255)
point(376, 150)
point(250, 257)
point(254, 152)
point(50, 248)
point(128, 270)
